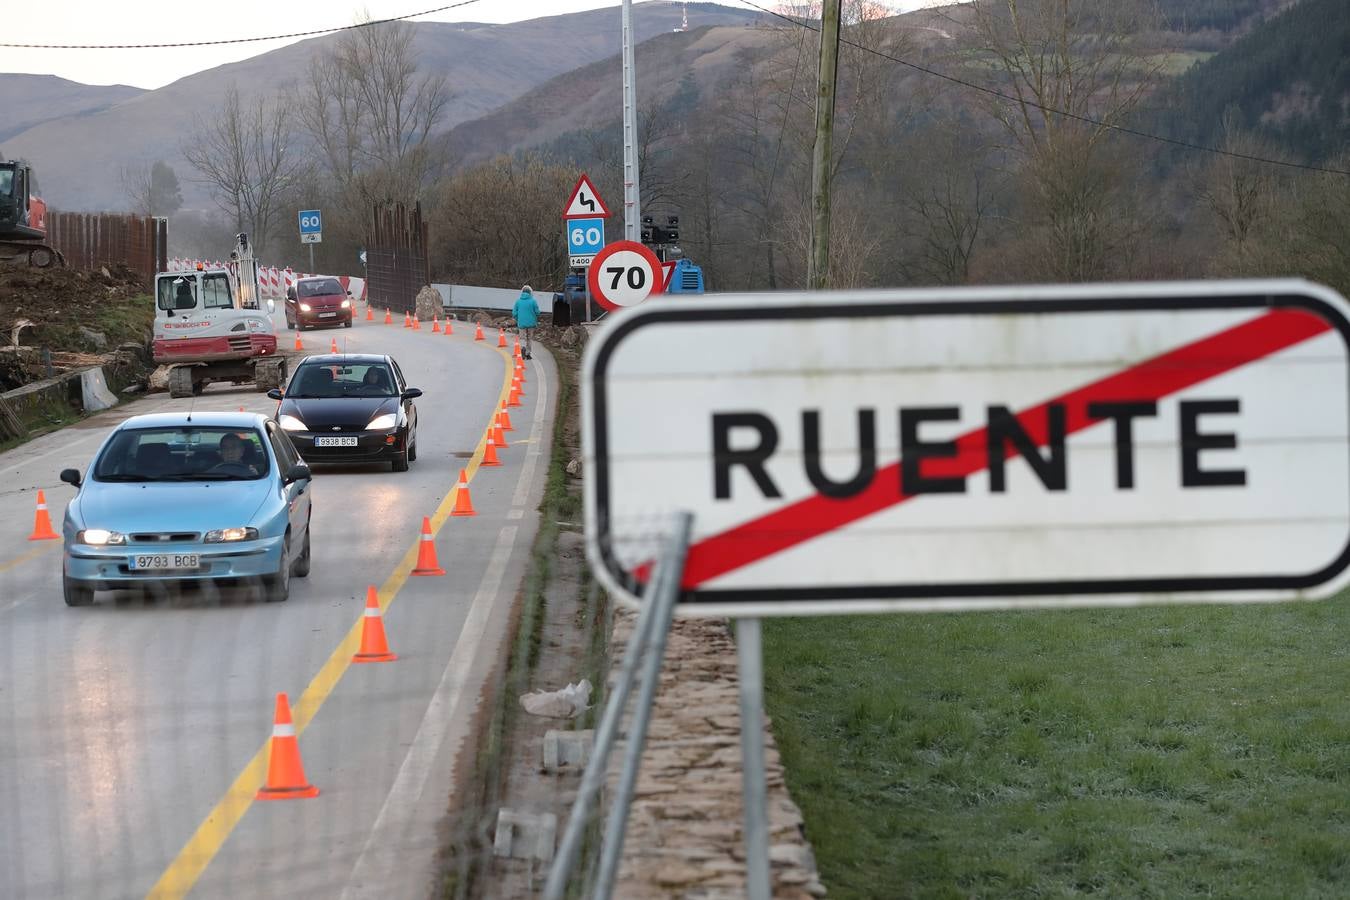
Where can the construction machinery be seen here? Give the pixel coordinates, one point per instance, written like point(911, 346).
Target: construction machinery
point(210, 326)
point(23, 219)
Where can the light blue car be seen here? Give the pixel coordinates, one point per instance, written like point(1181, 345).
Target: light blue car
point(189, 497)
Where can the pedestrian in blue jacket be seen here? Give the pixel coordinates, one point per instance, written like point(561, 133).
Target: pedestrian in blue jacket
point(526, 313)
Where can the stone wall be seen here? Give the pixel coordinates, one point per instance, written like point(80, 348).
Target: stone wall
point(684, 829)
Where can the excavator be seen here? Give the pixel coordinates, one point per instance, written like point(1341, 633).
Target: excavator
point(23, 219)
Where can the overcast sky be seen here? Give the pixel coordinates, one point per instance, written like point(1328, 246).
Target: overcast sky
point(169, 21)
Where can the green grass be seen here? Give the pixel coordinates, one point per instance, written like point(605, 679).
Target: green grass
point(1169, 752)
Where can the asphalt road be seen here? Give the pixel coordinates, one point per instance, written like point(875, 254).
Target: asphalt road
point(133, 733)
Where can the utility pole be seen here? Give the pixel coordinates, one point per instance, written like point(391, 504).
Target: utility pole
point(632, 189)
point(818, 266)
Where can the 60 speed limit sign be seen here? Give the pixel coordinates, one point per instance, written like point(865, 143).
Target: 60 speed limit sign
point(624, 274)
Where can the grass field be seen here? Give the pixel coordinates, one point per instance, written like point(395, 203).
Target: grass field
point(1166, 752)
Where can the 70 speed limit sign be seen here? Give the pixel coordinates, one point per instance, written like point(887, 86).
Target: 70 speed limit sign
point(624, 274)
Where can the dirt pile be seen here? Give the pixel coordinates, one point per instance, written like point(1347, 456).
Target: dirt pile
point(55, 320)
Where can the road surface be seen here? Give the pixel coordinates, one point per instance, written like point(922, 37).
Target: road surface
point(133, 733)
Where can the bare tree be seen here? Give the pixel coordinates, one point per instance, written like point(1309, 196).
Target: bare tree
point(240, 153)
point(1240, 193)
point(136, 186)
point(1075, 70)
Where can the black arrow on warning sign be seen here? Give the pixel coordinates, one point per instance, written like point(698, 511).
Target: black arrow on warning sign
point(586, 201)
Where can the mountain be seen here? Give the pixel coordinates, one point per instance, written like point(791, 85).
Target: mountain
point(1287, 80)
point(29, 100)
point(592, 96)
point(79, 156)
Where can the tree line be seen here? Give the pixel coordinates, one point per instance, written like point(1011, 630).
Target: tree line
point(936, 182)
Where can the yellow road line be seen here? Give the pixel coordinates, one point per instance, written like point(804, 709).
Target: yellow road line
point(37, 549)
point(187, 867)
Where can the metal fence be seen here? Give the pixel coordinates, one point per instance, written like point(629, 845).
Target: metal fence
point(396, 261)
point(90, 240)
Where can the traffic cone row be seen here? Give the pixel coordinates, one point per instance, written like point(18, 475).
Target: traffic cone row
point(285, 770)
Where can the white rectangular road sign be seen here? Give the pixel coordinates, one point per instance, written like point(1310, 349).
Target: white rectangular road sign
point(312, 237)
point(579, 262)
point(1086, 445)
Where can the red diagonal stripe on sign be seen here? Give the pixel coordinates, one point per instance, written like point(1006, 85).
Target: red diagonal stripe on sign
point(1151, 379)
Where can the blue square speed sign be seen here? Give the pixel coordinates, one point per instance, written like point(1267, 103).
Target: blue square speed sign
point(585, 237)
point(311, 222)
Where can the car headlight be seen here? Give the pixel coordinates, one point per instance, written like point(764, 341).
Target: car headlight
point(346, 304)
point(291, 423)
point(229, 535)
point(379, 423)
point(100, 537)
point(305, 307)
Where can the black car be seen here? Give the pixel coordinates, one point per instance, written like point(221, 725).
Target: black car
point(350, 408)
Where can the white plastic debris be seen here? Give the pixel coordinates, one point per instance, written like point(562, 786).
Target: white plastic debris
point(564, 703)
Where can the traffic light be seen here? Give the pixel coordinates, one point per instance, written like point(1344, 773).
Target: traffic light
point(673, 229)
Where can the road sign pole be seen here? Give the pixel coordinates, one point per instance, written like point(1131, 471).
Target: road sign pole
point(754, 780)
point(311, 258)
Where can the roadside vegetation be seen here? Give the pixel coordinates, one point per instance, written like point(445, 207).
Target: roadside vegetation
point(1165, 752)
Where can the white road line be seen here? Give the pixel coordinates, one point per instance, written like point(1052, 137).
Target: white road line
point(14, 603)
point(536, 448)
point(446, 706)
point(61, 449)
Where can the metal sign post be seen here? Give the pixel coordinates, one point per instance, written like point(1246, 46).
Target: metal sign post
point(754, 779)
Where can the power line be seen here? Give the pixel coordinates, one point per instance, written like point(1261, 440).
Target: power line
point(248, 40)
point(1134, 132)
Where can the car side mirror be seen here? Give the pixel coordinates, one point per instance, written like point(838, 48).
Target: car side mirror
point(274, 393)
point(412, 394)
point(71, 477)
point(298, 472)
point(290, 293)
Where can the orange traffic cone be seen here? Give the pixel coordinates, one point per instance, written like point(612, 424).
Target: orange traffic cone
point(501, 338)
point(426, 553)
point(498, 435)
point(520, 370)
point(513, 398)
point(334, 348)
point(407, 320)
point(417, 323)
point(285, 771)
point(370, 313)
point(449, 328)
point(42, 522)
point(478, 331)
point(435, 325)
point(505, 418)
point(388, 316)
point(298, 345)
point(490, 452)
point(374, 646)
point(463, 502)
point(515, 350)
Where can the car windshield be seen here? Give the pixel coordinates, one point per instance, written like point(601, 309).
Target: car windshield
point(177, 293)
point(319, 287)
point(183, 453)
point(316, 381)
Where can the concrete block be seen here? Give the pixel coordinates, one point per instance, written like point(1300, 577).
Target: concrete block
point(523, 835)
point(567, 749)
point(94, 390)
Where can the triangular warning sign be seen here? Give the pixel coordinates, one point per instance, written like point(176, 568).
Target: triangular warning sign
point(585, 203)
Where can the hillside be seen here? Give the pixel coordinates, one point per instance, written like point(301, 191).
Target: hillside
point(79, 155)
point(29, 100)
point(1288, 80)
